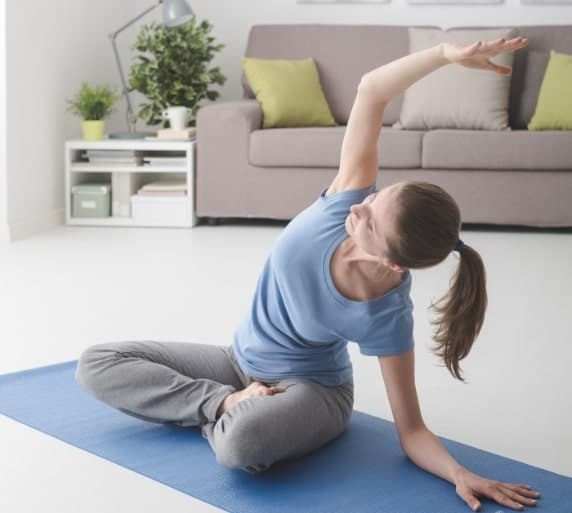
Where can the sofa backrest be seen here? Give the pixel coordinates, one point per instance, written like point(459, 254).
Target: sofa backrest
point(344, 53)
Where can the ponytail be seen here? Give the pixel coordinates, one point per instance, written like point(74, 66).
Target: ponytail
point(461, 310)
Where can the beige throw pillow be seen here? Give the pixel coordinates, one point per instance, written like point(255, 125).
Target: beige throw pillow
point(454, 96)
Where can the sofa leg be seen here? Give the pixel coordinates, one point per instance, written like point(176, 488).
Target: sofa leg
point(213, 221)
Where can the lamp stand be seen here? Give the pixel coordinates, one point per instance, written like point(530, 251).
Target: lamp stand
point(131, 117)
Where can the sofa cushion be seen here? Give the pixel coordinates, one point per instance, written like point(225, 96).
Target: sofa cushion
point(321, 147)
point(514, 149)
point(455, 96)
point(289, 91)
point(554, 107)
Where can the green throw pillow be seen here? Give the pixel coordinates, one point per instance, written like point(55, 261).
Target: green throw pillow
point(289, 91)
point(554, 104)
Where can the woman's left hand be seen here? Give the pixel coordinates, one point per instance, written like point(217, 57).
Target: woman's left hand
point(469, 486)
point(478, 54)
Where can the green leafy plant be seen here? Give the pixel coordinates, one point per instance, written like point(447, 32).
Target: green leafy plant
point(173, 68)
point(95, 103)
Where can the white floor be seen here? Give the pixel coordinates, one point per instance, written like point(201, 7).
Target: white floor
point(72, 287)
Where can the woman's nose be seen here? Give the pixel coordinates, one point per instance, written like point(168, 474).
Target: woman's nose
point(355, 209)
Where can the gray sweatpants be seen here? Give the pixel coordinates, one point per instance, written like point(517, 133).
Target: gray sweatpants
point(185, 383)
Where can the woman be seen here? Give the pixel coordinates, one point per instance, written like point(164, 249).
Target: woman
point(285, 387)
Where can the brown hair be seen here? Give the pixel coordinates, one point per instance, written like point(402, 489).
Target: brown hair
point(427, 227)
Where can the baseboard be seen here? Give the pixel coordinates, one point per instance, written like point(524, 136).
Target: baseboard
point(17, 231)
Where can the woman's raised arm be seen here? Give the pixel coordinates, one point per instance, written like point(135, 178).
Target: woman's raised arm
point(358, 160)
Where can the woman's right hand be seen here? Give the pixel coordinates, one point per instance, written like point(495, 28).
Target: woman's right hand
point(254, 389)
point(477, 55)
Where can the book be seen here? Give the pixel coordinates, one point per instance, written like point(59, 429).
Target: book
point(170, 133)
point(120, 157)
point(166, 185)
point(112, 157)
point(121, 162)
point(169, 139)
point(165, 161)
point(162, 193)
point(115, 194)
point(111, 153)
point(123, 185)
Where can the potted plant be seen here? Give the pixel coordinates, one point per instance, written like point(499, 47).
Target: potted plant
point(93, 105)
point(172, 69)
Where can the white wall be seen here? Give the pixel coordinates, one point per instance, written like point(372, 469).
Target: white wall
point(232, 20)
point(51, 47)
point(3, 225)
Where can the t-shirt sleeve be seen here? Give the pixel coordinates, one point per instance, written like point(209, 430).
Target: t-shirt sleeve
point(340, 202)
point(390, 336)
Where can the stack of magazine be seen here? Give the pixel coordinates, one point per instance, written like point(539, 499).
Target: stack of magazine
point(164, 187)
point(172, 134)
point(126, 157)
point(176, 162)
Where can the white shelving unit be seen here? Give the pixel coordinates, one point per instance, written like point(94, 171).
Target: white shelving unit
point(78, 171)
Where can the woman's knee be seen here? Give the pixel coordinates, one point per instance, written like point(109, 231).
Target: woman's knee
point(89, 370)
point(239, 444)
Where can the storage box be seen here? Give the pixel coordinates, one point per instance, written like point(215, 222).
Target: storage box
point(160, 211)
point(91, 200)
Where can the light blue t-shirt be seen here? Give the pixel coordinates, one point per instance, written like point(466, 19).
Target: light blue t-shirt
point(299, 324)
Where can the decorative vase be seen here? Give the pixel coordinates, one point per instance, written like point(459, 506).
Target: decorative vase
point(93, 130)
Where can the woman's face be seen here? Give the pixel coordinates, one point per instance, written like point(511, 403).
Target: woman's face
point(370, 222)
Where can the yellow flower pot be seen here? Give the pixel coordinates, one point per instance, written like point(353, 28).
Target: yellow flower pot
point(93, 130)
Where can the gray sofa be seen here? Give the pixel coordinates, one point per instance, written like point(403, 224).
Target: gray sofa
point(510, 177)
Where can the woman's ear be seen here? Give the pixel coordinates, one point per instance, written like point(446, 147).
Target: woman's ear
point(392, 266)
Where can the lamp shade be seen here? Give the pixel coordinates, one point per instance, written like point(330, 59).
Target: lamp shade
point(176, 12)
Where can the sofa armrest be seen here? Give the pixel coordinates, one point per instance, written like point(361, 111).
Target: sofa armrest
point(236, 112)
point(223, 132)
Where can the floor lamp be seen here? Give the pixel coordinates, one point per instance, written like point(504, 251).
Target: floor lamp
point(175, 13)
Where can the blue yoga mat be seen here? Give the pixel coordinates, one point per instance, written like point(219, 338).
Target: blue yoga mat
point(362, 471)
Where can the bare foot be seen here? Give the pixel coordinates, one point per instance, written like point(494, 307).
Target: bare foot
point(254, 389)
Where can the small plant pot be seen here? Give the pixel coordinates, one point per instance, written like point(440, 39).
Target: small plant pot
point(93, 130)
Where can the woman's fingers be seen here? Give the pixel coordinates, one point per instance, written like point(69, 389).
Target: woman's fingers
point(517, 497)
point(495, 46)
point(259, 388)
point(488, 45)
point(503, 45)
point(522, 489)
point(480, 49)
point(503, 70)
point(503, 496)
point(514, 44)
point(513, 495)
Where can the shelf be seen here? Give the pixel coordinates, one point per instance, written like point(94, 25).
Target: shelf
point(122, 144)
point(120, 221)
point(147, 211)
point(114, 168)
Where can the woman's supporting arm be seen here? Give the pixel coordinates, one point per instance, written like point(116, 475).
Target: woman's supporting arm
point(426, 451)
